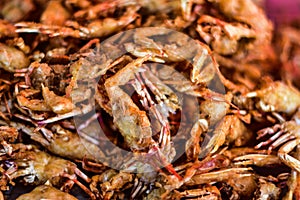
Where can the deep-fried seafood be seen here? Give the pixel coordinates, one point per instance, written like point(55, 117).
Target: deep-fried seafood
point(54, 14)
point(267, 190)
point(277, 97)
point(111, 182)
point(148, 113)
point(12, 59)
point(63, 142)
point(222, 36)
point(287, 135)
point(38, 167)
point(46, 192)
point(16, 10)
point(96, 28)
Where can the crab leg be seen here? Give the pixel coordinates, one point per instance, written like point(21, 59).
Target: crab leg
point(218, 176)
point(132, 122)
point(287, 159)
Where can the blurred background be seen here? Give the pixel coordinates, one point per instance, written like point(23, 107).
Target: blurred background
point(282, 11)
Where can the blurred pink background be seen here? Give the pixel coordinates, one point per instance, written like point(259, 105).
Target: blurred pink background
point(283, 11)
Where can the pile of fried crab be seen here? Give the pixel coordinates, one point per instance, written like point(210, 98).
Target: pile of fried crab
point(205, 100)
